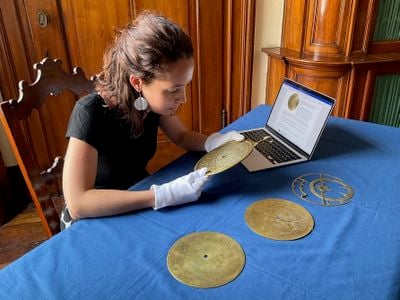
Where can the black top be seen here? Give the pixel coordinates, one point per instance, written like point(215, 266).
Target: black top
point(122, 159)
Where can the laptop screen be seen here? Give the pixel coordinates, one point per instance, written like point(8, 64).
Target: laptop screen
point(300, 114)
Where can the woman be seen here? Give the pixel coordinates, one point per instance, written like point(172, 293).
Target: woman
point(113, 133)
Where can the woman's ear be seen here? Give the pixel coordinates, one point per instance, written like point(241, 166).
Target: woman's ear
point(136, 82)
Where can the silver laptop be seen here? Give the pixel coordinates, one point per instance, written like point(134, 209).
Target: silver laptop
point(293, 128)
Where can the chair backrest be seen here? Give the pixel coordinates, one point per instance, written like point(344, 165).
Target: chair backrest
point(35, 125)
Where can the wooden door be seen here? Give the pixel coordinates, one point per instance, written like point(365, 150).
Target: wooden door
point(77, 32)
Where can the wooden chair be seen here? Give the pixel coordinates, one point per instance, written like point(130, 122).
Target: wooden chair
point(35, 128)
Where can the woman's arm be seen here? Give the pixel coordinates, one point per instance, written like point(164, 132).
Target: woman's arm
point(82, 199)
point(180, 135)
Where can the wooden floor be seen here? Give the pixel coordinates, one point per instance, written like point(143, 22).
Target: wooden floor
point(20, 235)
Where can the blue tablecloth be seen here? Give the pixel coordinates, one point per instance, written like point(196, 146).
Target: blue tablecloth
point(352, 253)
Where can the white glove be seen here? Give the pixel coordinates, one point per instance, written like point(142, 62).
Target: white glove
point(181, 190)
point(217, 139)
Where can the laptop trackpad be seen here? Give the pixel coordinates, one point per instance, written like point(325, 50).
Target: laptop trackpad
point(256, 161)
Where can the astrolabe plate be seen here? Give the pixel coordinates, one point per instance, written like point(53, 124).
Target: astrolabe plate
point(279, 219)
point(205, 259)
point(225, 156)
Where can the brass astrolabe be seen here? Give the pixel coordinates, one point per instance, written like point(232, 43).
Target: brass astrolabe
point(225, 156)
point(205, 259)
point(293, 101)
point(279, 219)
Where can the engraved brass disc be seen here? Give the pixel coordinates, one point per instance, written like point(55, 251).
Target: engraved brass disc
point(293, 101)
point(279, 219)
point(225, 156)
point(205, 259)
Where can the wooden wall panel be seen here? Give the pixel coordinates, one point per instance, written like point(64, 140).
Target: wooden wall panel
point(277, 70)
point(242, 33)
point(177, 10)
point(360, 32)
point(210, 56)
point(47, 40)
point(15, 50)
point(327, 22)
point(90, 27)
point(293, 24)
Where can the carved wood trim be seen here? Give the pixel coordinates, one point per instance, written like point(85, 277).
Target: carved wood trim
point(194, 28)
point(248, 32)
point(384, 47)
point(228, 23)
point(35, 94)
point(326, 31)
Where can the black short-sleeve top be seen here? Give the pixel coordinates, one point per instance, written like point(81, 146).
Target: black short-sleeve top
point(122, 159)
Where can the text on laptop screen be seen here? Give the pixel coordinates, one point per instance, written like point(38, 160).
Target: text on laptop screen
point(299, 115)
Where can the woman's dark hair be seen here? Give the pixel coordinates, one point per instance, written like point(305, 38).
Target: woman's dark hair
point(144, 49)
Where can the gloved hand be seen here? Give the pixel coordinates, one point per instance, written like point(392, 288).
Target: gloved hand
point(181, 190)
point(217, 139)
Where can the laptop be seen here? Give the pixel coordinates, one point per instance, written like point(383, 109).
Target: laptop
point(293, 129)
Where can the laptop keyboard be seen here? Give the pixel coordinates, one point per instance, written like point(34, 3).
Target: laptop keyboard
point(271, 148)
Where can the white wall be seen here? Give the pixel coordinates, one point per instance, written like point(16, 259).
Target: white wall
point(268, 30)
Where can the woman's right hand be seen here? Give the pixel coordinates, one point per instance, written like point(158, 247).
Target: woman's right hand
point(181, 190)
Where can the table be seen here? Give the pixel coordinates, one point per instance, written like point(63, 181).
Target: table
point(352, 253)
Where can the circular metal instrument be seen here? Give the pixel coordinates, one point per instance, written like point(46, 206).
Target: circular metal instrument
point(322, 189)
point(293, 101)
point(205, 259)
point(225, 156)
point(279, 219)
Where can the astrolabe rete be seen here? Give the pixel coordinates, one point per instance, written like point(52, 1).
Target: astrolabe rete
point(225, 156)
point(322, 189)
point(279, 219)
point(205, 259)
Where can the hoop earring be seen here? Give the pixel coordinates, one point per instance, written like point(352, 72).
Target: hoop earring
point(140, 103)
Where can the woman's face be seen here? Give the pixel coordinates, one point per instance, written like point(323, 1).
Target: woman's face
point(167, 94)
